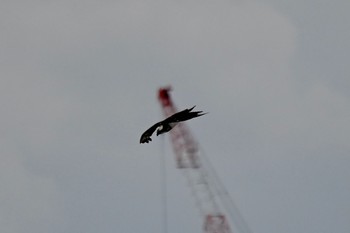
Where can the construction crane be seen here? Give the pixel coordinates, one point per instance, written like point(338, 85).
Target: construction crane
point(210, 196)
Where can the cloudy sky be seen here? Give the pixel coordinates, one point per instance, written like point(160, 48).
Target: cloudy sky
point(78, 86)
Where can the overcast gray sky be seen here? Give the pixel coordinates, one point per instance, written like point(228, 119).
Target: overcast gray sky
point(78, 86)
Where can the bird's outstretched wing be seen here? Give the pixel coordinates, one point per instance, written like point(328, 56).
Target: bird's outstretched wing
point(146, 136)
point(184, 115)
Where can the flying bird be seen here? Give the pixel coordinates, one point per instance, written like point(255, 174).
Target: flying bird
point(169, 123)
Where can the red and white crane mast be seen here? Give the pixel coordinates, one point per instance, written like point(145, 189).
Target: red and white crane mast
point(187, 155)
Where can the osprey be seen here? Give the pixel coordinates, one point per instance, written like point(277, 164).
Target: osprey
point(169, 123)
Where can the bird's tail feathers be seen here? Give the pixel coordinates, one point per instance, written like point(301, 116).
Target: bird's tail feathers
point(201, 113)
point(191, 108)
point(197, 114)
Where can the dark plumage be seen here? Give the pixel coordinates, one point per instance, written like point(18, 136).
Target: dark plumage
point(167, 124)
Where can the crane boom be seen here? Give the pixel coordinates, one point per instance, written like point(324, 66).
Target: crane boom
point(187, 155)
